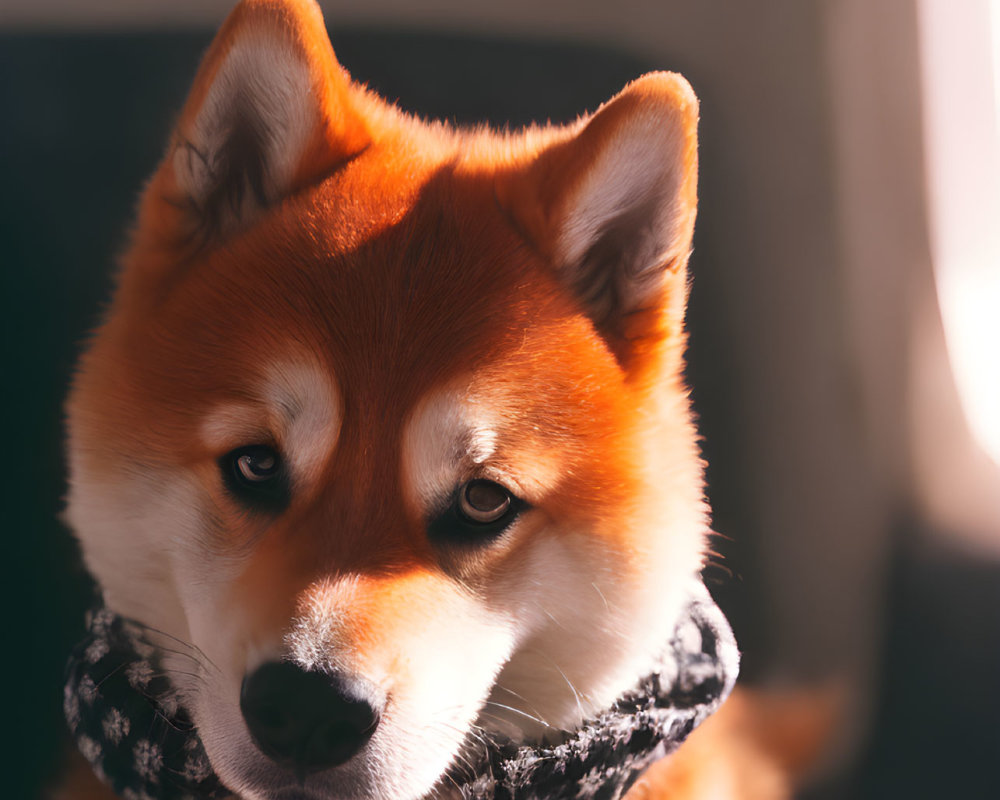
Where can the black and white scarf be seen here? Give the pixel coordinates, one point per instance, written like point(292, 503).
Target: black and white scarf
point(129, 723)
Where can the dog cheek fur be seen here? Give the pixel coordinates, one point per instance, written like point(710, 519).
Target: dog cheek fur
point(599, 587)
point(132, 527)
point(592, 615)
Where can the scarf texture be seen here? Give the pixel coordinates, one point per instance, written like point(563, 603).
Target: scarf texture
point(129, 723)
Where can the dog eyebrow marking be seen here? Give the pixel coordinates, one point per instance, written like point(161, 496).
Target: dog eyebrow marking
point(296, 405)
point(453, 435)
point(442, 441)
point(482, 443)
point(310, 402)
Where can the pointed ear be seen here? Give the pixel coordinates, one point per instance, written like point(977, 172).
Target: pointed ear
point(270, 112)
point(613, 207)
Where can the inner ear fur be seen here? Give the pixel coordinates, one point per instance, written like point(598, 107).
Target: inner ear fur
point(612, 205)
point(270, 111)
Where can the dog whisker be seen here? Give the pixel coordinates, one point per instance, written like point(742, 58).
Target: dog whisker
point(523, 699)
point(597, 589)
point(113, 672)
point(182, 654)
point(167, 673)
point(193, 647)
point(576, 694)
point(513, 710)
point(551, 616)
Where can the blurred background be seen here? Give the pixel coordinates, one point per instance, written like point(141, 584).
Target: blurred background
point(845, 316)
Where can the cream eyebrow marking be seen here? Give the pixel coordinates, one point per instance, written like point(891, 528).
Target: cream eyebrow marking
point(306, 398)
point(297, 404)
point(482, 444)
point(433, 447)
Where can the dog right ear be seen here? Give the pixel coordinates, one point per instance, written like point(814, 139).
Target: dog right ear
point(611, 205)
point(270, 112)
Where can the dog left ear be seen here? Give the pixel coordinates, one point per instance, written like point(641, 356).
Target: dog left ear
point(270, 112)
point(613, 208)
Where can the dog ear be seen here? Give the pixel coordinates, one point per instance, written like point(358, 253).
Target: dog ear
point(612, 207)
point(270, 111)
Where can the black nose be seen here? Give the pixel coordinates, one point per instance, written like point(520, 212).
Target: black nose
point(306, 721)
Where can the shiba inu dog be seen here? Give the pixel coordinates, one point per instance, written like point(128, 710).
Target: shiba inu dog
point(386, 422)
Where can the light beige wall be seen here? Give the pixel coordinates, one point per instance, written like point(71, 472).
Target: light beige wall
point(648, 25)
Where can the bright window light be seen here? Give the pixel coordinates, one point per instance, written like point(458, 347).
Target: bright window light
point(961, 72)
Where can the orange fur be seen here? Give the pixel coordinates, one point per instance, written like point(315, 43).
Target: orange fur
point(77, 781)
point(758, 746)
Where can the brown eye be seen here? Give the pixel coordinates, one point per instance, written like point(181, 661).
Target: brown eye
point(478, 513)
point(257, 464)
point(256, 476)
point(483, 502)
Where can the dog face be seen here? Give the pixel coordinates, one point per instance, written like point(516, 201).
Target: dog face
point(386, 424)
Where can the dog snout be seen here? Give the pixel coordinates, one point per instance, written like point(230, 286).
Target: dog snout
point(307, 721)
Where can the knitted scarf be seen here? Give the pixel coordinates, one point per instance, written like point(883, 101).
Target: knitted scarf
point(129, 723)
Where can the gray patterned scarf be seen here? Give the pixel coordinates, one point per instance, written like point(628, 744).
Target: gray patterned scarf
point(128, 722)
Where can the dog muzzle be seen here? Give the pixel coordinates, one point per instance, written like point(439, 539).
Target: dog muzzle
point(130, 724)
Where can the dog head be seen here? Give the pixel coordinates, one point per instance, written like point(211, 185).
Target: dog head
point(386, 426)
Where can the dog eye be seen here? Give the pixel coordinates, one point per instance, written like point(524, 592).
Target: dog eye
point(256, 464)
point(480, 510)
point(483, 502)
point(257, 477)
